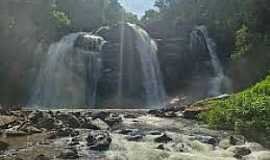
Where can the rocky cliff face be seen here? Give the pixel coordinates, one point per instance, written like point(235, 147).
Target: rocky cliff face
point(132, 76)
point(22, 34)
point(186, 69)
point(26, 31)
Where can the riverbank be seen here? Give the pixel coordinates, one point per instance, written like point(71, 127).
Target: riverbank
point(118, 135)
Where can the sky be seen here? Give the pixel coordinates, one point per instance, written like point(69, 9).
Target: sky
point(137, 6)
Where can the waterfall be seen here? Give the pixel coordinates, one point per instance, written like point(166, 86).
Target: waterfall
point(152, 79)
point(71, 72)
point(219, 82)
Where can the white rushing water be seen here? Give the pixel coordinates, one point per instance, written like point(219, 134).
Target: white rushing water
point(153, 83)
point(70, 74)
point(220, 82)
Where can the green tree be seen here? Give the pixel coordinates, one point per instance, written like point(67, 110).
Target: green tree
point(242, 42)
point(150, 16)
point(60, 19)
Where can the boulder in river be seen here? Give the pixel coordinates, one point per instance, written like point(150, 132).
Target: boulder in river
point(240, 151)
point(163, 139)
point(42, 119)
point(99, 140)
point(69, 119)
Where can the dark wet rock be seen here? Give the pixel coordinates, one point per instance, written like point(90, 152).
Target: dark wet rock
point(74, 141)
point(3, 146)
point(100, 115)
point(126, 131)
point(35, 116)
point(164, 113)
point(237, 140)
point(99, 140)
point(130, 116)
point(135, 137)
point(163, 139)
point(41, 119)
point(240, 151)
point(161, 147)
point(154, 133)
point(48, 123)
point(100, 124)
point(113, 119)
point(65, 132)
point(86, 123)
point(89, 42)
point(181, 147)
point(192, 113)
point(6, 120)
point(69, 120)
point(42, 157)
point(69, 154)
point(156, 112)
point(207, 139)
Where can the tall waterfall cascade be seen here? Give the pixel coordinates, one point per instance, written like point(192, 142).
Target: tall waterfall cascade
point(71, 72)
point(152, 82)
point(219, 83)
point(80, 68)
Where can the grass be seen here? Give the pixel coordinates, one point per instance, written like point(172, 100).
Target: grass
point(247, 113)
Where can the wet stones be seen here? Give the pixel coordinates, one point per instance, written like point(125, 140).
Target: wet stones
point(206, 139)
point(237, 140)
point(6, 120)
point(130, 116)
point(86, 123)
point(161, 147)
point(163, 113)
point(69, 120)
point(3, 146)
point(42, 157)
point(69, 154)
point(134, 137)
point(240, 151)
point(100, 124)
point(63, 132)
point(154, 133)
point(41, 119)
point(101, 115)
point(126, 131)
point(113, 119)
point(99, 140)
point(164, 138)
point(74, 141)
point(109, 118)
point(154, 112)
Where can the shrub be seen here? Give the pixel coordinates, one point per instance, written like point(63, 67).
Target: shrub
point(60, 19)
point(242, 42)
point(246, 112)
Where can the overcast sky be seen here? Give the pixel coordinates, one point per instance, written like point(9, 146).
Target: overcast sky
point(137, 6)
